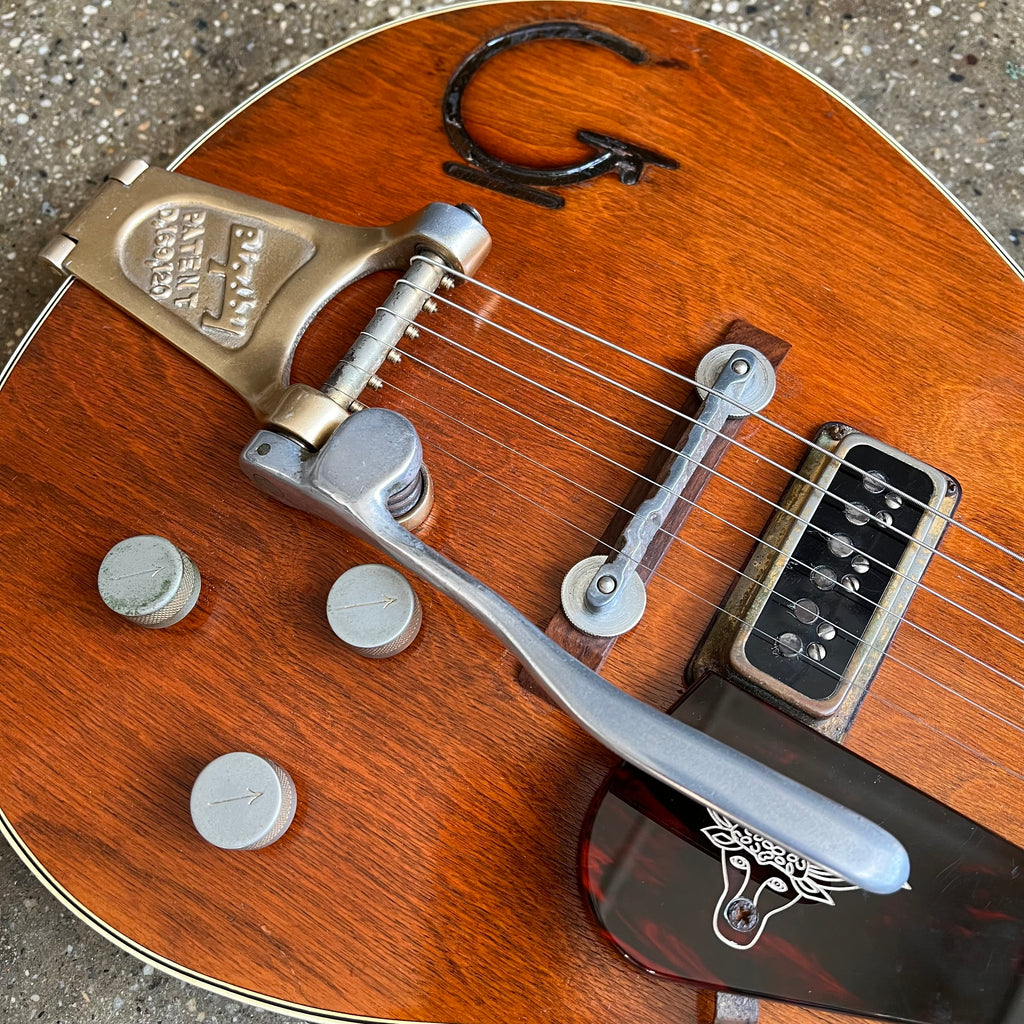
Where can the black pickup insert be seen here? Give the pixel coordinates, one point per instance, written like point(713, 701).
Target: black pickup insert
point(811, 656)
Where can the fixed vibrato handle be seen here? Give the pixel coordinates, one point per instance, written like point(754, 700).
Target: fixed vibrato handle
point(376, 453)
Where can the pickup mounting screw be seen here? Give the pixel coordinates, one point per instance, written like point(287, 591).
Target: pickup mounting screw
point(816, 652)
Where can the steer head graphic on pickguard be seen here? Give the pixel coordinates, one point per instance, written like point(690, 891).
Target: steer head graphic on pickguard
point(746, 904)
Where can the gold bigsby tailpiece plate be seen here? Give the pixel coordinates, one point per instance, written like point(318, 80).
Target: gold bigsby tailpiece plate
point(234, 281)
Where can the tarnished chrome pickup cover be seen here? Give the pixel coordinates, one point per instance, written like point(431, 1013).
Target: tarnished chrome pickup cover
point(825, 590)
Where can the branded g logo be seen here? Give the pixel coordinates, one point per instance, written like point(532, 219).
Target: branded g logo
point(610, 156)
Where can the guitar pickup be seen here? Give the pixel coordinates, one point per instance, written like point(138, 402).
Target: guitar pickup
point(826, 588)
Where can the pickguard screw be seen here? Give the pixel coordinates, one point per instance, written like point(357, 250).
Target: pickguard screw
point(742, 915)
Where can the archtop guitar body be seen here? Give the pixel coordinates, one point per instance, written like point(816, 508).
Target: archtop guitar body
point(653, 181)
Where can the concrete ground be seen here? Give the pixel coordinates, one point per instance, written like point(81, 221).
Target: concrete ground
point(84, 85)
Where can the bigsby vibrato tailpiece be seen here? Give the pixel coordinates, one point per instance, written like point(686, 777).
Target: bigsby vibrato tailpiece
point(233, 281)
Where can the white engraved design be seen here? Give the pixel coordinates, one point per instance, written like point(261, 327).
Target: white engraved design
point(793, 879)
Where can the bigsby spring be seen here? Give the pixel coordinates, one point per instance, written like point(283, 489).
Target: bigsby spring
point(378, 342)
point(380, 338)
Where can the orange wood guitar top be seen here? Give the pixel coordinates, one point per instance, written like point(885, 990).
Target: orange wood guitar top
point(430, 874)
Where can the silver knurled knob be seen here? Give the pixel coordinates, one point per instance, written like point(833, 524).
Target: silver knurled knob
point(149, 581)
point(242, 801)
point(374, 611)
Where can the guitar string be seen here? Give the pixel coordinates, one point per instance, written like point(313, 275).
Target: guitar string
point(862, 690)
point(680, 376)
point(754, 494)
point(693, 503)
point(733, 441)
point(791, 560)
point(882, 652)
point(551, 318)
